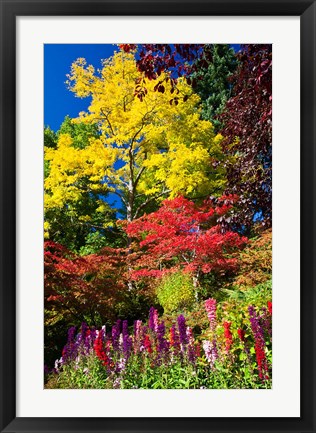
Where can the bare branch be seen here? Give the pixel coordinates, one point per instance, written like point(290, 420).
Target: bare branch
point(138, 176)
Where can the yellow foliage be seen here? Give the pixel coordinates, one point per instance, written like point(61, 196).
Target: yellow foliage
point(150, 146)
point(46, 229)
point(68, 168)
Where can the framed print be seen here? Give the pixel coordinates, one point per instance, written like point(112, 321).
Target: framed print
point(142, 171)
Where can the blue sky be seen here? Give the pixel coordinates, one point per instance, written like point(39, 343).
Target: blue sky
point(58, 100)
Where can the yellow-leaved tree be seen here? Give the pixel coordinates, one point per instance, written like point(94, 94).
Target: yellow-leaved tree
point(147, 150)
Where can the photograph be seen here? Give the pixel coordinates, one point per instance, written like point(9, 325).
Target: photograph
point(157, 216)
point(142, 287)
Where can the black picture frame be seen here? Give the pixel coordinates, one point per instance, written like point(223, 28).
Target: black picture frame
point(10, 9)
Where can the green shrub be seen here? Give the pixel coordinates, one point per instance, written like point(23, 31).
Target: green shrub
point(175, 292)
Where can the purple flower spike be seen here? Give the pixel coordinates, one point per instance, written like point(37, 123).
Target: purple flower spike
point(70, 350)
point(125, 328)
point(256, 327)
point(116, 330)
point(182, 330)
point(163, 344)
point(127, 346)
point(71, 334)
point(84, 330)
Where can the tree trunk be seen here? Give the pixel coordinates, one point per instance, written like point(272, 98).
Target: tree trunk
point(129, 217)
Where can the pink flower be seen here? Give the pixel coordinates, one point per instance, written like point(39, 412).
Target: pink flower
point(210, 307)
point(210, 351)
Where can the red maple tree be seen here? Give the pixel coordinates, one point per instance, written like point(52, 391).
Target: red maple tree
point(181, 235)
point(83, 288)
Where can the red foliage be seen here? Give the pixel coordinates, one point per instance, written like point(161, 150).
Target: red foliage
point(82, 288)
point(182, 235)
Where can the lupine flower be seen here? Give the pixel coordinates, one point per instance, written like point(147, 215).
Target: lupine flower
point(117, 383)
point(261, 360)
point(70, 349)
point(71, 334)
point(214, 350)
point(210, 307)
point(241, 334)
point(84, 331)
point(137, 335)
point(153, 319)
point(93, 334)
point(255, 324)
point(120, 342)
point(83, 341)
point(174, 338)
point(137, 328)
point(190, 335)
point(210, 350)
point(89, 339)
point(99, 349)
point(147, 344)
point(126, 340)
point(127, 346)
point(265, 321)
point(125, 327)
point(152, 340)
point(207, 347)
point(228, 336)
point(116, 330)
point(259, 343)
point(163, 345)
point(120, 365)
point(182, 331)
point(191, 348)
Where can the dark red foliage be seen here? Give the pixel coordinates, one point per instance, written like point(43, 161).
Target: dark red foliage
point(248, 116)
point(181, 235)
point(178, 59)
